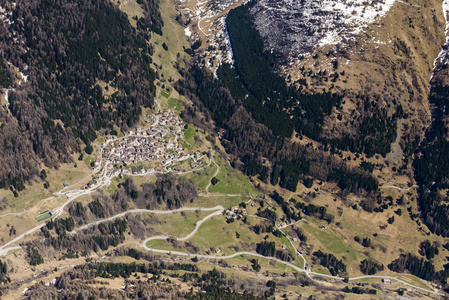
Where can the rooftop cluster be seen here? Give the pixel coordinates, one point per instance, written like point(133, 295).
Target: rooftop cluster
point(160, 141)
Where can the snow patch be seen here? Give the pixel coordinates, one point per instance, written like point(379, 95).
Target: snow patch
point(442, 58)
point(7, 97)
point(298, 27)
point(187, 32)
point(24, 78)
point(208, 14)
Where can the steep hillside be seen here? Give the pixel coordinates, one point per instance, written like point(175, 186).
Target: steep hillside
point(376, 52)
point(86, 68)
point(289, 168)
point(390, 62)
point(297, 28)
point(431, 163)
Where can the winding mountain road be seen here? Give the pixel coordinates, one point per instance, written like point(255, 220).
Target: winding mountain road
point(71, 195)
point(218, 210)
point(4, 249)
point(390, 186)
point(215, 175)
point(123, 214)
point(296, 268)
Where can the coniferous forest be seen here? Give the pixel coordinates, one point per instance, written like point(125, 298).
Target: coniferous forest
point(286, 108)
point(87, 69)
point(264, 93)
point(77, 68)
point(432, 166)
point(250, 102)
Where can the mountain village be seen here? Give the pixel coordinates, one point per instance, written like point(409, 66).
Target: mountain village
point(157, 145)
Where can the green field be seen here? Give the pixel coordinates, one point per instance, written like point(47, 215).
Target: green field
point(176, 105)
point(202, 177)
point(35, 191)
point(113, 186)
point(179, 224)
point(289, 245)
point(225, 201)
point(165, 94)
point(88, 159)
point(163, 245)
point(120, 134)
point(216, 233)
point(231, 181)
point(175, 39)
point(265, 263)
point(207, 236)
point(321, 270)
point(132, 9)
point(43, 217)
point(413, 280)
point(189, 134)
point(333, 242)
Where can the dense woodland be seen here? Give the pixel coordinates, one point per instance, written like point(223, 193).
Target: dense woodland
point(152, 20)
point(148, 278)
point(3, 273)
point(87, 69)
point(283, 108)
point(417, 266)
point(251, 103)
point(293, 209)
point(428, 249)
point(375, 131)
point(264, 93)
point(432, 166)
point(370, 267)
point(251, 143)
point(5, 78)
point(335, 266)
point(266, 248)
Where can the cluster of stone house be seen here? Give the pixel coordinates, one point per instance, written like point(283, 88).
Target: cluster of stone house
point(235, 213)
point(160, 141)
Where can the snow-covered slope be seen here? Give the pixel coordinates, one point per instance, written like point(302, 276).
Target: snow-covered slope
point(443, 57)
point(298, 26)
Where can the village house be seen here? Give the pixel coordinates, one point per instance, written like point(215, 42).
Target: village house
point(161, 140)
